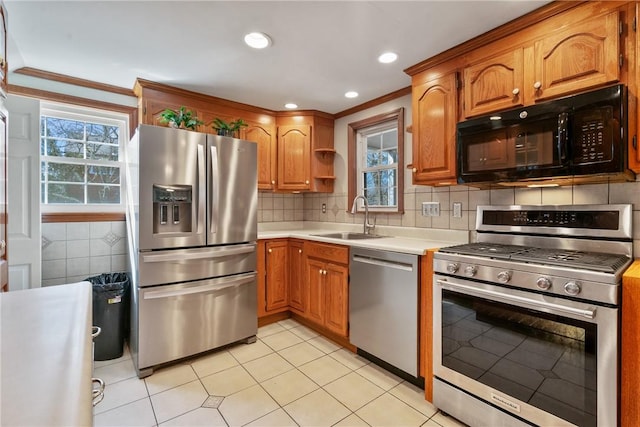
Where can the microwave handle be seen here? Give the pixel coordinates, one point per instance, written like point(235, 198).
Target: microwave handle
point(563, 135)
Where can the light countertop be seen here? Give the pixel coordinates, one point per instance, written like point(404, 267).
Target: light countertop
point(424, 239)
point(46, 356)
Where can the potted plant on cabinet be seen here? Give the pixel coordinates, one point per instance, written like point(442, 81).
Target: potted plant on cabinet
point(182, 119)
point(228, 128)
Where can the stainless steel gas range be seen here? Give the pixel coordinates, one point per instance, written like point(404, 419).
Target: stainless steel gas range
point(526, 320)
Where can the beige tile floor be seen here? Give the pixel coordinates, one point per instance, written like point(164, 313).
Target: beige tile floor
point(290, 377)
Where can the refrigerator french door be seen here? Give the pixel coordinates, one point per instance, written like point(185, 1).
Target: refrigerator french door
point(192, 215)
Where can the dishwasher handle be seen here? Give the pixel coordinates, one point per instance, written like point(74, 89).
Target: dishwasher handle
point(383, 263)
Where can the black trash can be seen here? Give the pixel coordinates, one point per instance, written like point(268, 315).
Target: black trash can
point(110, 313)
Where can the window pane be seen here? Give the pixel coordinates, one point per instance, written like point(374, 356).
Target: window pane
point(101, 151)
point(66, 193)
point(61, 148)
point(64, 128)
point(103, 194)
point(103, 174)
point(390, 139)
point(102, 133)
point(65, 173)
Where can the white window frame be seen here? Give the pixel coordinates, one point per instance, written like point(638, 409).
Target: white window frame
point(86, 114)
point(362, 169)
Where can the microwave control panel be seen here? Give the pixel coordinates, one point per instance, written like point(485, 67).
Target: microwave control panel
point(592, 136)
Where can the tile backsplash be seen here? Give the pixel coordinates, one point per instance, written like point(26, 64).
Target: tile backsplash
point(73, 251)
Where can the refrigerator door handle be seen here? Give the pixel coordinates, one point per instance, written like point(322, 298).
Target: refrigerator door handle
point(215, 177)
point(213, 285)
point(208, 254)
point(202, 190)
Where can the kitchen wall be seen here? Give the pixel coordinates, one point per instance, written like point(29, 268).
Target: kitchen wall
point(337, 204)
point(73, 251)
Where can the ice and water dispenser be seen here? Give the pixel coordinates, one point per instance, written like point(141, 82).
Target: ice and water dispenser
point(172, 208)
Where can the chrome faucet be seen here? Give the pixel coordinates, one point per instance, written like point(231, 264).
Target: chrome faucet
point(366, 226)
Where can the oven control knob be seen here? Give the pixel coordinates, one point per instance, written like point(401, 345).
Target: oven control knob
point(470, 270)
point(452, 267)
point(572, 288)
point(504, 277)
point(543, 283)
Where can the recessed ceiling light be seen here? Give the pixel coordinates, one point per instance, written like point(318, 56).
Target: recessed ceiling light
point(387, 57)
point(290, 105)
point(351, 94)
point(257, 40)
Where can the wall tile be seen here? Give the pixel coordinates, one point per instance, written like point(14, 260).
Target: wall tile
point(627, 192)
point(557, 196)
point(278, 202)
point(77, 248)
point(78, 231)
point(442, 221)
point(409, 218)
point(502, 197)
point(118, 263)
point(591, 194)
point(98, 229)
point(479, 198)
point(119, 247)
point(55, 250)
point(78, 266)
point(53, 269)
point(119, 228)
point(99, 265)
point(528, 196)
point(55, 230)
point(443, 198)
point(98, 247)
point(423, 221)
point(460, 223)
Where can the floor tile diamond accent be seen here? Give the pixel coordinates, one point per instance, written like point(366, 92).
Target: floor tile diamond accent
point(213, 402)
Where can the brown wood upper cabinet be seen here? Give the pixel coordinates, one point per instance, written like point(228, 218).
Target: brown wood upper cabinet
point(265, 137)
point(494, 84)
point(434, 128)
point(583, 55)
point(305, 152)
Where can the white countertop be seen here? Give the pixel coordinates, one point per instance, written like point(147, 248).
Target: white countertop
point(425, 239)
point(46, 356)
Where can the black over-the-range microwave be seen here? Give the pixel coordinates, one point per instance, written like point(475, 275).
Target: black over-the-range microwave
point(575, 136)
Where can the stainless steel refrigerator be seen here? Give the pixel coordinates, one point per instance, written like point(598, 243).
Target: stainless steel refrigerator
point(192, 204)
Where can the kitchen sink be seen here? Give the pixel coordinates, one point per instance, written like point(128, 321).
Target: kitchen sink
point(348, 236)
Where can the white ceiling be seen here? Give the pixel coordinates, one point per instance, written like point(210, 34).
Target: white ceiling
point(321, 49)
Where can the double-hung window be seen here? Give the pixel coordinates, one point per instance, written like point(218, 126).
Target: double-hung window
point(81, 153)
point(377, 161)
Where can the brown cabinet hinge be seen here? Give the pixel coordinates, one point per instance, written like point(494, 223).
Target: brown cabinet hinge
point(635, 142)
point(634, 25)
point(144, 110)
point(620, 27)
point(621, 60)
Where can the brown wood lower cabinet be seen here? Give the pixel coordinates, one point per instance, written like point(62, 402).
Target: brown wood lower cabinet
point(328, 278)
point(297, 289)
point(273, 276)
point(630, 345)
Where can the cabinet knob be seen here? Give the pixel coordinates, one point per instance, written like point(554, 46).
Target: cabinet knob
point(414, 170)
point(324, 272)
point(320, 271)
point(273, 182)
point(307, 182)
point(269, 251)
point(537, 85)
point(515, 91)
point(299, 251)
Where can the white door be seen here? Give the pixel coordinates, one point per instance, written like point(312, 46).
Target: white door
point(24, 231)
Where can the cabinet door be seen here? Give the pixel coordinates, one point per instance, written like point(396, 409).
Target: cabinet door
point(584, 55)
point(297, 290)
point(277, 285)
point(434, 125)
point(494, 84)
point(264, 136)
point(315, 280)
point(294, 154)
point(4, 266)
point(336, 298)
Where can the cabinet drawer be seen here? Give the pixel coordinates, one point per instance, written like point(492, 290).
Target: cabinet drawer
point(333, 253)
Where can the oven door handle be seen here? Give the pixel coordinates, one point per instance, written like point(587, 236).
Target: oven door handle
point(516, 299)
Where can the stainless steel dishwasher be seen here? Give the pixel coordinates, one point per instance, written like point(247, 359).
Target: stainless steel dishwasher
point(383, 307)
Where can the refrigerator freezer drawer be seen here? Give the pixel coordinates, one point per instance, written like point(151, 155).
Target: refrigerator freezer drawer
point(177, 321)
point(183, 265)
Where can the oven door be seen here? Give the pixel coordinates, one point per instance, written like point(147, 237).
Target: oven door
point(546, 360)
